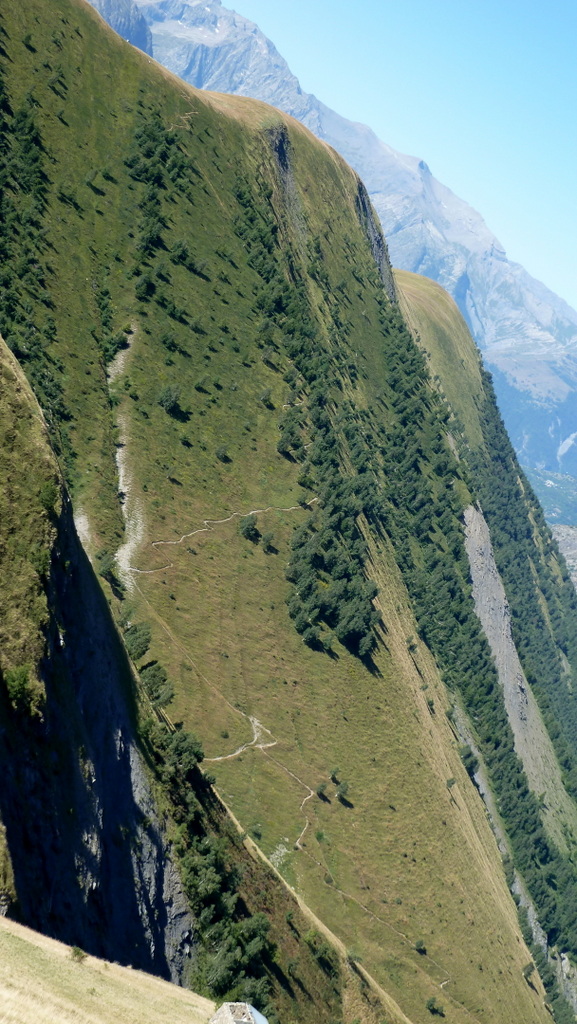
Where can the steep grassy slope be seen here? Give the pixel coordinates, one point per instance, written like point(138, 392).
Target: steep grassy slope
point(43, 982)
point(29, 493)
point(197, 290)
point(61, 860)
point(30, 497)
point(550, 603)
point(445, 337)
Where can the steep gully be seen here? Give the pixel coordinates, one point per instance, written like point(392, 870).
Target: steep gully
point(532, 741)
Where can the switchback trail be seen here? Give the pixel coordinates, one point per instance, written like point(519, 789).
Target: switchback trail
point(209, 527)
point(258, 729)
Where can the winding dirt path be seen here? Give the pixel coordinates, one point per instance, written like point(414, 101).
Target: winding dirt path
point(258, 730)
point(209, 527)
point(132, 508)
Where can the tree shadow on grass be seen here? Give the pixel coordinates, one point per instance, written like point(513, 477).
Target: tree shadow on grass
point(345, 802)
point(176, 412)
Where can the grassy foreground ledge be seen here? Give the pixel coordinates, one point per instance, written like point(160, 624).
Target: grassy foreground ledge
point(43, 982)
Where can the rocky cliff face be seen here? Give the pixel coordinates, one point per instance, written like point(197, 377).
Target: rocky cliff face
point(528, 334)
point(91, 863)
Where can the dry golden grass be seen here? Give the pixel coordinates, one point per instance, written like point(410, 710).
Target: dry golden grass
point(41, 982)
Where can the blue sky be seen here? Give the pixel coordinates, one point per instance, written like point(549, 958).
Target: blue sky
point(485, 92)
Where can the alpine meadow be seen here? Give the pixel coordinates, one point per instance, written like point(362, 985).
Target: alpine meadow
point(288, 654)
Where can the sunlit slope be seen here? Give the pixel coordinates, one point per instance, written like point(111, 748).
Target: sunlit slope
point(36, 540)
point(389, 868)
point(454, 359)
point(102, 250)
point(532, 627)
point(234, 254)
point(44, 982)
point(455, 364)
point(30, 496)
point(60, 341)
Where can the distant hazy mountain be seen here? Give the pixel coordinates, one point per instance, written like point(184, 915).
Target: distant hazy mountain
point(527, 333)
point(126, 19)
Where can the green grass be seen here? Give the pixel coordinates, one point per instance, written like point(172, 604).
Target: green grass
point(29, 505)
point(322, 717)
point(443, 334)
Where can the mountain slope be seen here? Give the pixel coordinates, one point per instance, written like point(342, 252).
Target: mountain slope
point(271, 485)
point(528, 334)
point(113, 801)
point(44, 982)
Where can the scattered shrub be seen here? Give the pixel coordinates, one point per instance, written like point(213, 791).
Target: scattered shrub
point(267, 543)
point(48, 496)
point(155, 682)
point(169, 400)
point(248, 528)
point(342, 791)
point(17, 685)
point(434, 1007)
